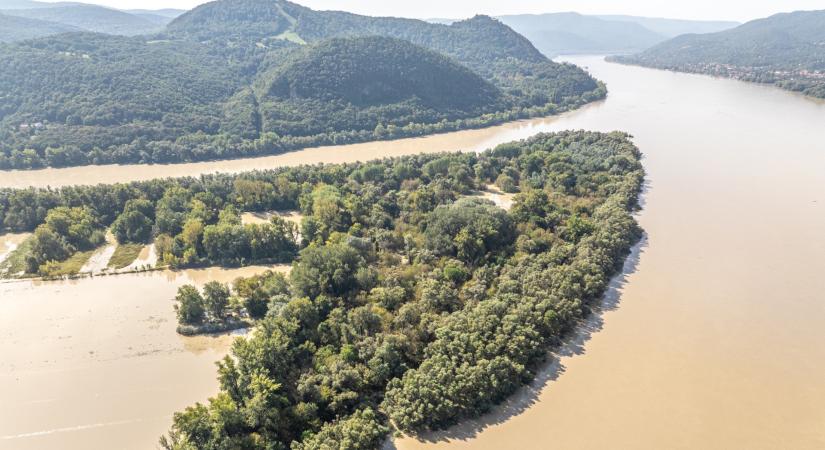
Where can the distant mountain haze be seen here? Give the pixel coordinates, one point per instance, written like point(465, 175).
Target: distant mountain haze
point(91, 18)
point(54, 18)
point(18, 28)
point(785, 49)
point(671, 28)
point(573, 33)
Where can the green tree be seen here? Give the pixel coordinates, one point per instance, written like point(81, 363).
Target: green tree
point(216, 299)
point(190, 306)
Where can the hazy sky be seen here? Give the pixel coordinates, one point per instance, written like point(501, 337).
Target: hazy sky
point(740, 10)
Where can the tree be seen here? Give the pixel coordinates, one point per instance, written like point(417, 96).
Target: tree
point(470, 229)
point(326, 269)
point(135, 223)
point(190, 307)
point(216, 299)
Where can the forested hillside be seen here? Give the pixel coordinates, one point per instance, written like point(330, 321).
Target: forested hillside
point(475, 42)
point(786, 49)
point(412, 302)
point(211, 85)
point(20, 28)
point(357, 83)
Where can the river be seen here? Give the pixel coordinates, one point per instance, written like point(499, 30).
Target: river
point(713, 338)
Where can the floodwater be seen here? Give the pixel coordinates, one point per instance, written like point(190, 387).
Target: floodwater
point(714, 338)
point(96, 363)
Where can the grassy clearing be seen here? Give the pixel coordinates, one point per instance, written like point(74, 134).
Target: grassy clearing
point(125, 254)
point(291, 36)
point(16, 261)
point(68, 267)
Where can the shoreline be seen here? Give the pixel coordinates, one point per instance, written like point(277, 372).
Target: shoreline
point(476, 139)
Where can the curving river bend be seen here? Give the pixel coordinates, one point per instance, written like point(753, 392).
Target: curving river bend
point(713, 338)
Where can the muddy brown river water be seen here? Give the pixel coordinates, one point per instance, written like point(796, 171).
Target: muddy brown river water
point(714, 338)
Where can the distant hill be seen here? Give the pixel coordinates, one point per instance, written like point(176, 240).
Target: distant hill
point(670, 28)
point(386, 80)
point(80, 16)
point(91, 18)
point(30, 4)
point(237, 78)
point(168, 12)
point(785, 49)
point(573, 33)
point(19, 28)
point(226, 21)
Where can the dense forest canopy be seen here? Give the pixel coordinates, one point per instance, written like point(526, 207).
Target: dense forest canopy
point(421, 304)
point(785, 49)
point(208, 87)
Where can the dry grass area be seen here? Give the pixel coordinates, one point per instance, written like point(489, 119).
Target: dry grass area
point(124, 255)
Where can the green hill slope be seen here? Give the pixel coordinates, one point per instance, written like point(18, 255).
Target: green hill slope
point(388, 81)
point(209, 86)
point(785, 49)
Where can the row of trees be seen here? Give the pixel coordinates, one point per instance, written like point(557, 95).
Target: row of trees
point(416, 306)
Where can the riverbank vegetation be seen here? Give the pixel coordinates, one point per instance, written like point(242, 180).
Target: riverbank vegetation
point(125, 254)
point(413, 304)
point(214, 85)
point(220, 307)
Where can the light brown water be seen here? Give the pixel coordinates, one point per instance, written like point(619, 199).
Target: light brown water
point(469, 140)
point(715, 338)
point(96, 363)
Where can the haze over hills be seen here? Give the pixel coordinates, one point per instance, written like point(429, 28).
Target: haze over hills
point(785, 49)
point(573, 33)
point(248, 77)
point(568, 33)
point(670, 28)
point(80, 16)
point(18, 28)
